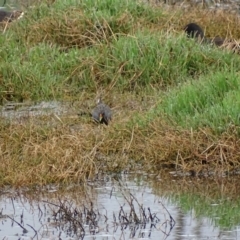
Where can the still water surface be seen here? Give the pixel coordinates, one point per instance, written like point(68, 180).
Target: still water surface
point(35, 214)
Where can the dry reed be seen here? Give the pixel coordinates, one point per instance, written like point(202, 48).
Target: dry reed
point(74, 151)
point(32, 154)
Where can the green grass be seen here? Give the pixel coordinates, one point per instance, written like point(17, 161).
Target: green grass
point(58, 51)
point(211, 101)
point(161, 86)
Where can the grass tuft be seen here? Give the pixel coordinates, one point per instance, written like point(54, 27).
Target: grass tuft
point(175, 101)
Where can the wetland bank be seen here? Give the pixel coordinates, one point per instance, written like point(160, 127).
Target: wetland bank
point(175, 102)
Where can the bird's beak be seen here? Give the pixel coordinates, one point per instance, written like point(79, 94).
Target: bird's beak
point(100, 117)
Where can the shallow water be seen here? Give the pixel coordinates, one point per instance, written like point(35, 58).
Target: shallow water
point(35, 213)
point(17, 111)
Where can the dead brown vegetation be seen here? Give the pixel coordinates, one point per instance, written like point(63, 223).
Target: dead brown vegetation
point(74, 28)
point(214, 22)
point(32, 153)
point(74, 150)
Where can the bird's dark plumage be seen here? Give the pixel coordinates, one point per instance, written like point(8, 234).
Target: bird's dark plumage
point(102, 113)
point(194, 31)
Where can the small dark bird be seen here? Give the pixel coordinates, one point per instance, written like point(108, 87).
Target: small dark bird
point(102, 112)
point(6, 16)
point(194, 31)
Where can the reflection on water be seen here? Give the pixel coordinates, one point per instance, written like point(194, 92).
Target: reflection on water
point(26, 217)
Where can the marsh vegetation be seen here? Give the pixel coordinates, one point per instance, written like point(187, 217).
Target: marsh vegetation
point(175, 102)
